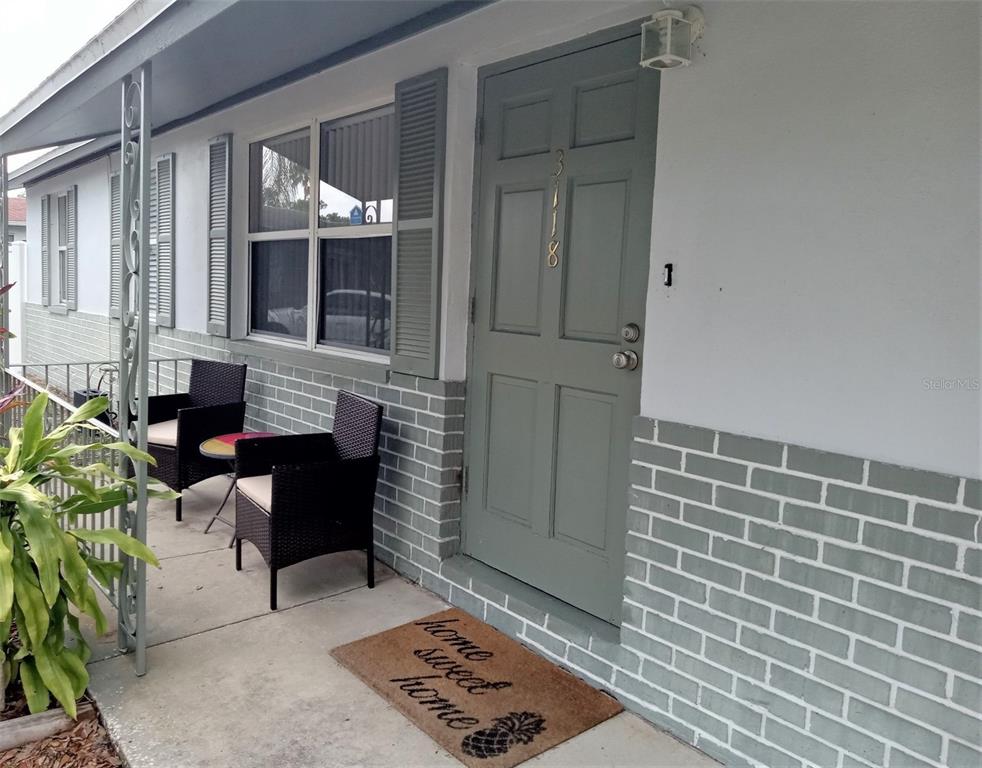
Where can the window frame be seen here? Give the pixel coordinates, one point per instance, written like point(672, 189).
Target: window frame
point(314, 233)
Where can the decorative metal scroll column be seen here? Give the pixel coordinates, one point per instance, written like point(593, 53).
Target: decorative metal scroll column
point(134, 346)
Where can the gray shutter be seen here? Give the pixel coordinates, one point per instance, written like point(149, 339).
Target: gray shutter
point(115, 245)
point(421, 133)
point(46, 250)
point(219, 233)
point(165, 240)
point(71, 250)
point(152, 278)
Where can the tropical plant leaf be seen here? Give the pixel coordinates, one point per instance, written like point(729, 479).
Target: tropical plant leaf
point(73, 566)
point(126, 543)
point(86, 601)
point(6, 573)
point(33, 427)
point(75, 671)
point(108, 498)
point(81, 649)
point(42, 534)
point(104, 571)
point(16, 442)
point(34, 690)
point(132, 451)
point(55, 680)
point(33, 609)
point(88, 410)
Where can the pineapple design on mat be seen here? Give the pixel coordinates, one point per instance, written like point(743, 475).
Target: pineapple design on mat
point(509, 730)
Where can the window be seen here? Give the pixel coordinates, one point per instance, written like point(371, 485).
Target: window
point(339, 261)
point(59, 273)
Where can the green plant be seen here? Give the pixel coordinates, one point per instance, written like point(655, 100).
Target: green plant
point(46, 561)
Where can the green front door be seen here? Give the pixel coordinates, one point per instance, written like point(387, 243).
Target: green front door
point(566, 174)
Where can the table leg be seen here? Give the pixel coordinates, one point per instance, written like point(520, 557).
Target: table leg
point(218, 512)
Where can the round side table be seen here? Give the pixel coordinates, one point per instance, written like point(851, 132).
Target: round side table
point(222, 447)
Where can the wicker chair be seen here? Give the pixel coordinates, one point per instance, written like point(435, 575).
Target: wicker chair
point(178, 424)
point(302, 496)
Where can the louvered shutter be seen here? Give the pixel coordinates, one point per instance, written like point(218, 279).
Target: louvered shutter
point(115, 244)
point(46, 250)
point(165, 240)
point(71, 249)
point(152, 262)
point(421, 129)
point(219, 233)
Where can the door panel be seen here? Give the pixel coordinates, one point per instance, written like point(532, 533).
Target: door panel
point(517, 279)
point(584, 433)
point(525, 125)
point(594, 260)
point(563, 225)
point(512, 406)
point(605, 109)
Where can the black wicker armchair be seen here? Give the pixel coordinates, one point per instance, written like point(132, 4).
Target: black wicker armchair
point(302, 496)
point(177, 424)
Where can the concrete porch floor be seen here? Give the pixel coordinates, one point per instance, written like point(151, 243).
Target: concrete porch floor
point(232, 684)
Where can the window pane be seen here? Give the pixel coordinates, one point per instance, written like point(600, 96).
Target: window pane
point(279, 288)
point(279, 183)
point(356, 171)
point(355, 275)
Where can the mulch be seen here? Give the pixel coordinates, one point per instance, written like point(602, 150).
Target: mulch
point(87, 745)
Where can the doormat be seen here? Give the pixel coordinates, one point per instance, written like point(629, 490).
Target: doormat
point(477, 693)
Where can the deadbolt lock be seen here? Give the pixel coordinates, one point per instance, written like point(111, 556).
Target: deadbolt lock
point(624, 360)
point(631, 333)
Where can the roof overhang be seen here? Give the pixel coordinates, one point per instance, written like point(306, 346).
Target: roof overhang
point(205, 56)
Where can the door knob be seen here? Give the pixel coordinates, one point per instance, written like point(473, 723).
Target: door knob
point(624, 360)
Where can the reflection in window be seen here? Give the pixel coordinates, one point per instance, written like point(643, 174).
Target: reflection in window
point(279, 183)
point(278, 288)
point(356, 167)
point(355, 305)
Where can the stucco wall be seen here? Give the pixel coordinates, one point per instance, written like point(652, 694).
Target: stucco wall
point(817, 188)
point(93, 234)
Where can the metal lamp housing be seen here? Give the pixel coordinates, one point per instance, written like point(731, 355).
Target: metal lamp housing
point(666, 39)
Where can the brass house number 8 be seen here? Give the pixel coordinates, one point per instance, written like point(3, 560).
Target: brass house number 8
point(552, 255)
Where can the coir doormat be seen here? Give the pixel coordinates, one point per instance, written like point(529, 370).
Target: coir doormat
point(480, 695)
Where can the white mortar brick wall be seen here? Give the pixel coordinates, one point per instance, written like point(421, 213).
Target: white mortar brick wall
point(418, 500)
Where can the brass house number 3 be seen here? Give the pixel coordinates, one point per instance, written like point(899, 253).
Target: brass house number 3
point(552, 254)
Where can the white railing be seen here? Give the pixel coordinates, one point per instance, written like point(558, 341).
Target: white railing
point(73, 383)
point(62, 381)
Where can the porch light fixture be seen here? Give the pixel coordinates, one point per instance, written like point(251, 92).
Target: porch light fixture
point(666, 39)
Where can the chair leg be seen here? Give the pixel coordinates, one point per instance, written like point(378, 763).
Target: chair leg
point(177, 507)
point(238, 554)
point(272, 589)
point(371, 566)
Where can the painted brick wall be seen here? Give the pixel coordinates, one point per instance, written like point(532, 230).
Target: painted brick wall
point(783, 606)
point(807, 607)
point(418, 502)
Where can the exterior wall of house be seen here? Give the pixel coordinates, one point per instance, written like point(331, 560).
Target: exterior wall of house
point(92, 180)
point(819, 198)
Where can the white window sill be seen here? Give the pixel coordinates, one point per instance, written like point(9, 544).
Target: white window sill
point(353, 362)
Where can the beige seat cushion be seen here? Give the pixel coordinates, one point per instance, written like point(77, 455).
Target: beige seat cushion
point(163, 433)
point(259, 489)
